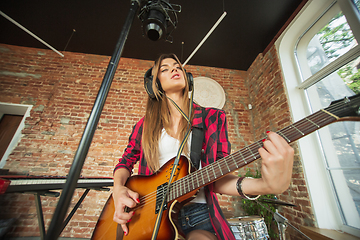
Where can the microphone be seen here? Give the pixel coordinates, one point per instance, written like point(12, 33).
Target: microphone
point(159, 19)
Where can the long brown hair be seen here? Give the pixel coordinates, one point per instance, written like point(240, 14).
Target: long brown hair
point(157, 116)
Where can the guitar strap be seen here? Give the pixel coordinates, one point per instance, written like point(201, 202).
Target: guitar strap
point(197, 140)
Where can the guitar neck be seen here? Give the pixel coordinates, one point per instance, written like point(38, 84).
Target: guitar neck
point(241, 158)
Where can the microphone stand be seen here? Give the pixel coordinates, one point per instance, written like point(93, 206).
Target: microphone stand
point(56, 224)
point(282, 223)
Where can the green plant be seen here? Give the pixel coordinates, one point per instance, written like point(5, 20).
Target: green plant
point(252, 208)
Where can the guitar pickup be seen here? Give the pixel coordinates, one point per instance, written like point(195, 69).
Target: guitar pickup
point(160, 192)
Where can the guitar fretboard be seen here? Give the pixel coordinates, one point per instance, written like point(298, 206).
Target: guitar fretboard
point(220, 168)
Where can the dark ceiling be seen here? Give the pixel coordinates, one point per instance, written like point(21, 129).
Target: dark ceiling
point(247, 29)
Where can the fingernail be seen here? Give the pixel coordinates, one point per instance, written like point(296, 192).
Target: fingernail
point(129, 220)
point(125, 233)
point(263, 140)
point(138, 200)
point(267, 131)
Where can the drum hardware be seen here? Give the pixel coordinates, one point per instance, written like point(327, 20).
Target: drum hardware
point(248, 227)
point(276, 202)
point(281, 221)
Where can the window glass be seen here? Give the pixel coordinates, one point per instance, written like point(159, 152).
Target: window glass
point(357, 4)
point(341, 141)
point(350, 74)
point(331, 42)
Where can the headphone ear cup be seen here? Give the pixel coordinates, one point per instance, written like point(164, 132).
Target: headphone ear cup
point(148, 78)
point(190, 81)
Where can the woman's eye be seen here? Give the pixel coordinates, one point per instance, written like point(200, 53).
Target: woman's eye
point(164, 69)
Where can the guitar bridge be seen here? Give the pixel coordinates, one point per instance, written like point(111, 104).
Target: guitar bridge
point(160, 192)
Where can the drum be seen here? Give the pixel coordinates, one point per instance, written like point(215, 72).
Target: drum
point(249, 227)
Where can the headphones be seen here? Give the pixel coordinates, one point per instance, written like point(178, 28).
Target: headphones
point(148, 78)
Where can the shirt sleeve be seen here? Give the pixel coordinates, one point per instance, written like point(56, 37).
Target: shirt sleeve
point(133, 151)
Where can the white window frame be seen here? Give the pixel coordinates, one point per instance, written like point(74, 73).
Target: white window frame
point(14, 109)
point(321, 194)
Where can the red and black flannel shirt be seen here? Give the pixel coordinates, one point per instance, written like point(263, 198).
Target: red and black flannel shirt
point(215, 146)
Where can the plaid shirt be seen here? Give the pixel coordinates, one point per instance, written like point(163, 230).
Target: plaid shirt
point(215, 146)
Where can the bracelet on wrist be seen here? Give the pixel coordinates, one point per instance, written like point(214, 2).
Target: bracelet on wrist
point(240, 191)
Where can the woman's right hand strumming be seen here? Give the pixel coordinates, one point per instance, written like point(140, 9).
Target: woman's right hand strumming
point(123, 197)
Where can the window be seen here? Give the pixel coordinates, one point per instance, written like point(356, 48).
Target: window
point(320, 57)
point(11, 114)
point(332, 41)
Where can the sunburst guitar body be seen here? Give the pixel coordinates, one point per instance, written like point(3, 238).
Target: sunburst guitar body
point(142, 223)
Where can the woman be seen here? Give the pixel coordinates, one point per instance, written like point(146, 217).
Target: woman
point(163, 123)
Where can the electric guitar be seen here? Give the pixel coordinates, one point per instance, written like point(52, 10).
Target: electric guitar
point(187, 182)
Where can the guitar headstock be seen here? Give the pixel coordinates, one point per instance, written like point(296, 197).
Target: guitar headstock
point(346, 109)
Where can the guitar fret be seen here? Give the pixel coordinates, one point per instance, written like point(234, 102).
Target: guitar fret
point(188, 181)
point(192, 181)
point(213, 171)
point(251, 153)
point(203, 179)
point(178, 191)
point(174, 191)
point(227, 166)
point(184, 188)
point(170, 192)
point(312, 122)
point(297, 130)
point(234, 161)
point(280, 133)
point(242, 157)
point(197, 179)
point(220, 168)
point(208, 175)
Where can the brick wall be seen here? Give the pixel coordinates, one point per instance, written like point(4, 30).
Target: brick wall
point(62, 92)
point(271, 112)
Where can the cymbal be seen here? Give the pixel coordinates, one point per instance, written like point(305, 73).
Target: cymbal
point(275, 201)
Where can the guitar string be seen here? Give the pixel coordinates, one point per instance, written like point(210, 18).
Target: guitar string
point(184, 181)
point(285, 132)
point(327, 119)
point(291, 130)
point(254, 147)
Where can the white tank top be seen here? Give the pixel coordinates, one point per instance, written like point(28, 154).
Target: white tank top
point(168, 148)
